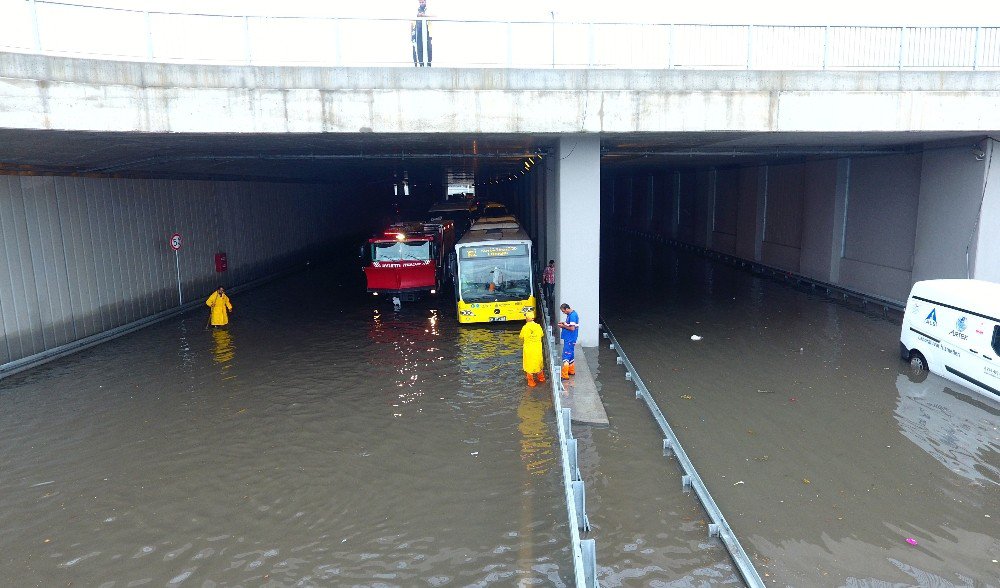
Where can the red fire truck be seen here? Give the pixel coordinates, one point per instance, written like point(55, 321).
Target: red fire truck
point(409, 259)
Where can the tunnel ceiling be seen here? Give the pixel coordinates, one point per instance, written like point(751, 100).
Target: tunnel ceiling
point(330, 157)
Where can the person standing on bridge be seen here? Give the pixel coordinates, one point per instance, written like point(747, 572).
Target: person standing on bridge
point(420, 37)
point(532, 362)
point(570, 329)
point(221, 307)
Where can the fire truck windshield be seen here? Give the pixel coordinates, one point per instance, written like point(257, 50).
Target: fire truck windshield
point(401, 250)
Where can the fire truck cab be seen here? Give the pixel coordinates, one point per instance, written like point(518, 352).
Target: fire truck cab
point(409, 259)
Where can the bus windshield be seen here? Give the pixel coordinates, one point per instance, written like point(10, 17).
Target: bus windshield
point(401, 250)
point(495, 279)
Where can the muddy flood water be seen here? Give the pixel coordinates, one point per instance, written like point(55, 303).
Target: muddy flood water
point(325, 440)
point(320, 440)
point(833, 465)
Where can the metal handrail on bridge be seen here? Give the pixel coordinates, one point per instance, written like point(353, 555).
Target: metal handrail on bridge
point(52, 27)
point(690, 479)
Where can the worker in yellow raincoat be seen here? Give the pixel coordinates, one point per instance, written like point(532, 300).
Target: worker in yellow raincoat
point(531, 334)
point(221, 307)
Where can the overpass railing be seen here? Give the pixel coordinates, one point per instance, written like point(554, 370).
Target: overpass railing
point(64, 28)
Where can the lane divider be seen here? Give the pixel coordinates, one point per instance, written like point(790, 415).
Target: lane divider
point(584, 550)
point(690, 480)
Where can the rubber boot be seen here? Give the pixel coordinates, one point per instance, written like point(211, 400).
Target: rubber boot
point(541, 377)
point(531, 379)
point(565, 370)
point(572, 369)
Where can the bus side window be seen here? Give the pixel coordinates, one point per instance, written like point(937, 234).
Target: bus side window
point(996, 340)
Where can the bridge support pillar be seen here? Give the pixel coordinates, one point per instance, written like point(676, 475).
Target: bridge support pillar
point(577, 234)
point(987, 261)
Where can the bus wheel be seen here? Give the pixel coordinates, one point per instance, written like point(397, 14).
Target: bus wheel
point(918, 367)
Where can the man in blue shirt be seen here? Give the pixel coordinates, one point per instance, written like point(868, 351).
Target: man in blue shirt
point(570, 330)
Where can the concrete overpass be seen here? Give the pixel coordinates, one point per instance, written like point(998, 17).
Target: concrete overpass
point(865, 179)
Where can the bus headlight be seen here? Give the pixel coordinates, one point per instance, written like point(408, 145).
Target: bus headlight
point(465, 312)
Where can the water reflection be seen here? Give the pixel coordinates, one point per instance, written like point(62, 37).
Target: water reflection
point(536, 437)
point(485, 352)
point(954, 428)
point(223, 351)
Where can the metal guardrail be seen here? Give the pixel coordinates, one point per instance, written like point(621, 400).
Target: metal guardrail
point(690, 479)
point(832, 290)
point(584, 550)
point(54, 27)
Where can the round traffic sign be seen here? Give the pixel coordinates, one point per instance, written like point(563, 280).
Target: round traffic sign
point(175, 241)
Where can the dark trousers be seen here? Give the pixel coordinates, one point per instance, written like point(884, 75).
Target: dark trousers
point(549, 291)
point(421, 55)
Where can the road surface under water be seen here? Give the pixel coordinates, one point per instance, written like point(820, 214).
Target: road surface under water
point(316, 441)
point(823, 453)
point(649, 532)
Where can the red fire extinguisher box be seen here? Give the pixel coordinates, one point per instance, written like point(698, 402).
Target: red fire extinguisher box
point(221, 264)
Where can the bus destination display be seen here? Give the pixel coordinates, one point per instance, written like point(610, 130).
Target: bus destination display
point(494, 251)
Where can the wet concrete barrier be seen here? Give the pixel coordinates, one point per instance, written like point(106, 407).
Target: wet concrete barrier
point(584, 550)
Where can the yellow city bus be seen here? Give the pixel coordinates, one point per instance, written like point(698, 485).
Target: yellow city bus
point(493, 277)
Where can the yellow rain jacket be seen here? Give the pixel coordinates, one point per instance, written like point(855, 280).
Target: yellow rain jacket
point(532, 335)
point(220, 306)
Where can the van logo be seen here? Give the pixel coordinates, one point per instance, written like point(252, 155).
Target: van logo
point(960, 326)
point(932, 318)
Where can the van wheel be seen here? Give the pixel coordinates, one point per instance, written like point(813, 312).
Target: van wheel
point(918, 367)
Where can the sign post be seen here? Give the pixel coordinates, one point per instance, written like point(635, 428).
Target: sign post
point(175, 244)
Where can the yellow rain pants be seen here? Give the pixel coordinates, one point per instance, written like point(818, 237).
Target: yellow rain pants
point(531, 334)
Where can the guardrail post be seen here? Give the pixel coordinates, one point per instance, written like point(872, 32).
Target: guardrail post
point(670, 46)
point(574, 462)
point(668, 447)
point(510, 44)
point(34, 25)
point(149, 35)
point(826, 47)
point(588, 548)
point(591, 50)
point(246, 39)
point(902, 47)
point(975, 49)
point(567, 423)
point(580, 498)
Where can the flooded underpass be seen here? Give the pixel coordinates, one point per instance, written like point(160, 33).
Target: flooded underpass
point(322, 439)
point(833, 465)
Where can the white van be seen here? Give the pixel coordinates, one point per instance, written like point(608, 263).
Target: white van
point(952, 328)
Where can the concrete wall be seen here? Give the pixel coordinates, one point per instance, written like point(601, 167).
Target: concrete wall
point(987, 259)
point(951, 194)
point(80, 256)
point(41, 92)
point(870, 224)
